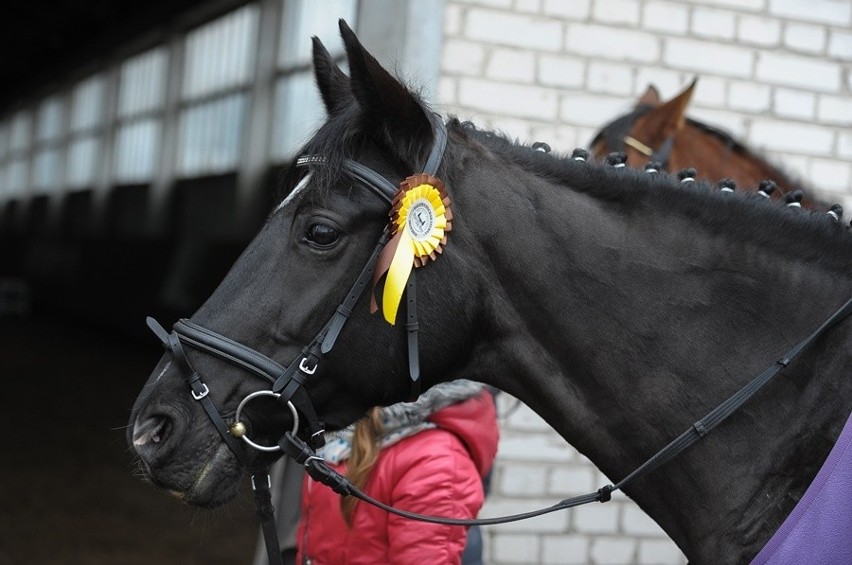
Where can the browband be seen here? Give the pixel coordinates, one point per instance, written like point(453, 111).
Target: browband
point(378, 184)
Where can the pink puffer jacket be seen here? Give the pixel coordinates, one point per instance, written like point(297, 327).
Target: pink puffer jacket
point(437, 471)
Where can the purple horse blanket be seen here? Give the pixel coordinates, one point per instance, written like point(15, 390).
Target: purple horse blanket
point(819, 529)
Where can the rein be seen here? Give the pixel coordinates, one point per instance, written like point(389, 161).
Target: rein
point(287, 383)
point(320, 472)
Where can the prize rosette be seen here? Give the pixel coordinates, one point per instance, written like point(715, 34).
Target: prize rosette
point(420, 219)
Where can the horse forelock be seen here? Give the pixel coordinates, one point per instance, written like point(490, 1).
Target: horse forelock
point(339, 138)
point(744, 217)
point(348, 133)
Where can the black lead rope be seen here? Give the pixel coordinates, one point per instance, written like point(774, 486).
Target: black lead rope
point(299, 451)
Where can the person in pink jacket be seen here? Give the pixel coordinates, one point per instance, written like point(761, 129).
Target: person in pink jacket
point(428, 456)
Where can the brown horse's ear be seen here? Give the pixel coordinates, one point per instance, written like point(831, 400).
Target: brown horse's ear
point(389, 109)
point(671, 116)
point(333, 84)
point(650, 98)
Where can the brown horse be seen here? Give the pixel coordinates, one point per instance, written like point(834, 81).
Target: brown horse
point(661, 131)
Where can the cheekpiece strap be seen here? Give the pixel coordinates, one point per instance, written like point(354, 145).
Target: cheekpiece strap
point(439, 145)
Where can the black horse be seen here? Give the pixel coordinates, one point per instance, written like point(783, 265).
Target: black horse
point(619, 305)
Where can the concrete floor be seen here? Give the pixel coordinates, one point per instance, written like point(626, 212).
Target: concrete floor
point(67, 490)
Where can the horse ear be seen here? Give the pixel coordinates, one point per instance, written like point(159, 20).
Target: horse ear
point(650, 98)
point(333, 84)
point(671, 116)
point(388, 107)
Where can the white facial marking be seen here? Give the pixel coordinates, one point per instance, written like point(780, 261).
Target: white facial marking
point(299, 188)
point(163, 372)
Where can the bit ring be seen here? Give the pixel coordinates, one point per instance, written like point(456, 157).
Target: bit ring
point(245, 438)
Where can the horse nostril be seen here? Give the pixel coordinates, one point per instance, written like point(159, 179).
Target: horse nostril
point(152, 432)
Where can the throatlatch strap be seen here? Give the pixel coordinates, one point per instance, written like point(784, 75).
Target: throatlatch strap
point(411, 328)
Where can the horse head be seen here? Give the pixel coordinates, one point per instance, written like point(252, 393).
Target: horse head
point(289, 285)
point(660, 132)
point(648, 132)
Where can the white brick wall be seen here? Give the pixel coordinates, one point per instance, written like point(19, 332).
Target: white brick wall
point(769, 70)
point(758, 30)
point(799, 71)
point(776, 73)
point(536, 468)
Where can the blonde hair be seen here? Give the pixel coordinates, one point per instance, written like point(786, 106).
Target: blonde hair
point(365, 451)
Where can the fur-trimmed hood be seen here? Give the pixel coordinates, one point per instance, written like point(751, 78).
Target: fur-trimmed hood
point(437, 397)
point(404, 419)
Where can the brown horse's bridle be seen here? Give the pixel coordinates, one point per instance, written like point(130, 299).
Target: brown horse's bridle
point(287, 383)
point(658, 158)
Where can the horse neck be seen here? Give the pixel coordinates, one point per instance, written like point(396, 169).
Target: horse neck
point(622, 327)
point(720, 159)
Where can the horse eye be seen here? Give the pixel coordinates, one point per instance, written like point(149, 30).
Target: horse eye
point(322, 234)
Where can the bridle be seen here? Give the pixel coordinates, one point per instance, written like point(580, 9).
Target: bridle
point(287, 384)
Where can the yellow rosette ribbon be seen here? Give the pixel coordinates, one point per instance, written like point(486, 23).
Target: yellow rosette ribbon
point(420, 219)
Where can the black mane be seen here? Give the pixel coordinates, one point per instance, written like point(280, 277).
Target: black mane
point(337, 139)
point(742, 216)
